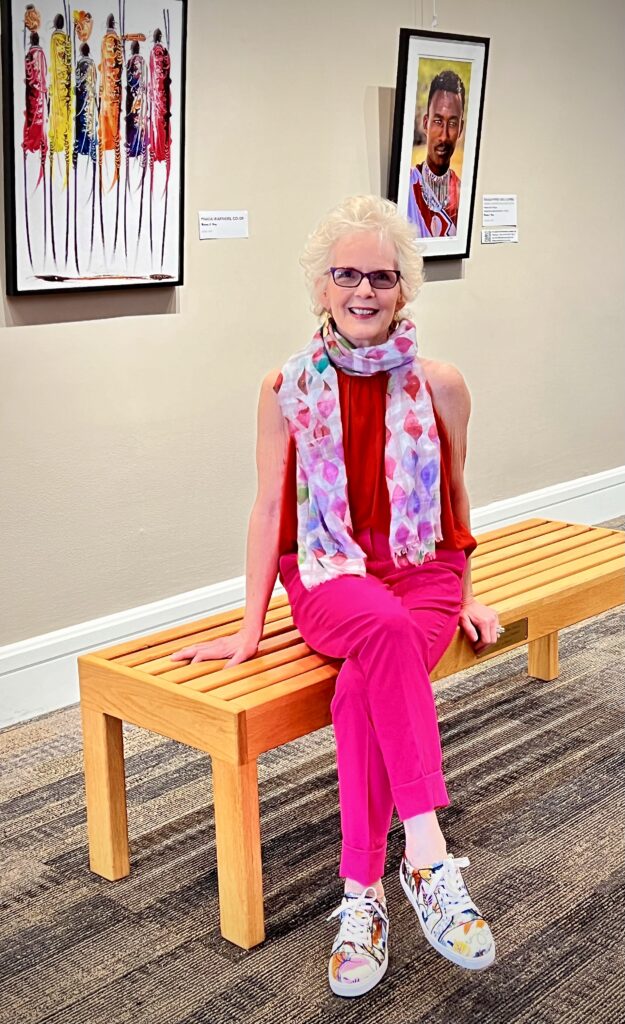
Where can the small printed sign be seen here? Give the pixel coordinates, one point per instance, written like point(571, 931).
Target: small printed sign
point(223, 224)
point(499, 210)
point(491, 236)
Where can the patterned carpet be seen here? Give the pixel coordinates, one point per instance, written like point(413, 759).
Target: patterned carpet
point(535, 773)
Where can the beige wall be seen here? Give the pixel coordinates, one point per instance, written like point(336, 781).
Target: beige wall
point(127, 420)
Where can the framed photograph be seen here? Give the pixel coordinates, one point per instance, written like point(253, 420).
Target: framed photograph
point(436, 136)
point(93, 144)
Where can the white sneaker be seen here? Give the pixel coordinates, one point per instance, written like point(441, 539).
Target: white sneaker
point(360, 952)
point(451, 922)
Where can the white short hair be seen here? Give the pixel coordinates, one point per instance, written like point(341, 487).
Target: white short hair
point(367, 214)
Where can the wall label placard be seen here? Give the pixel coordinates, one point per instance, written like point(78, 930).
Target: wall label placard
point(494, 236)
point(499, 210)
point(223, 224)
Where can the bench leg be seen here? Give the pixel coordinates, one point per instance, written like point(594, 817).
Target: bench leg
point(239, 864)
point(105, 788)
point(542, 657)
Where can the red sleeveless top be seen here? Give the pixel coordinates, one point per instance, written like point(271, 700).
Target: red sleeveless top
point(363, 408)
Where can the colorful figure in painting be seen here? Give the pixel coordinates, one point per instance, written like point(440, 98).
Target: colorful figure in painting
point(32, 18)
point(137, 128)
point(32, 21)
point(136, 103)
point(112, 60)
point(83, 25)
point(160, 117)
point(85, 132)
point(60, 128)
point(85, 115)
point(434, 192)
point(34, 138)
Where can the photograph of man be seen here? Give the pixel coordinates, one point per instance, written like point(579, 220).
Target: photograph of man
point(434, 192)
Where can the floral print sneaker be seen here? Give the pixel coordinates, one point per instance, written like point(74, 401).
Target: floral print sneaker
point(451, 922)
point(360, 952)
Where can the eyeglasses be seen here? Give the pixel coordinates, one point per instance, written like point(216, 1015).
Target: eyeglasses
point(348, 277)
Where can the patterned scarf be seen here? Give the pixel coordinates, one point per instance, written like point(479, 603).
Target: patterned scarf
point(309, 398)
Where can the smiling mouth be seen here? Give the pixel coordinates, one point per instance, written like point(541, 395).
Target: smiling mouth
point(362, 312)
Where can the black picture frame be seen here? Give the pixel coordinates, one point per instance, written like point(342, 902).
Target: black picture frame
point(146, 158)
point(439, 103)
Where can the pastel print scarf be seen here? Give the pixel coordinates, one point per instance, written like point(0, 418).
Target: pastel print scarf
point(309, 399)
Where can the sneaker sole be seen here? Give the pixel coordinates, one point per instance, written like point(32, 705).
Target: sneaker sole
point(358, 988)
point(474, 964)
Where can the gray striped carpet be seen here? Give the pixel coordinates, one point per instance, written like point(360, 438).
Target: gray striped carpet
point(535, 773)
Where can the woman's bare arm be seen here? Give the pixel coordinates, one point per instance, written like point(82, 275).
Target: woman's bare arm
point(453, 404)
point(264, 524)
point(262, 535)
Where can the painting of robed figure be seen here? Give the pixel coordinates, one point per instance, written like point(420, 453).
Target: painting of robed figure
point(437, 129)
point(94, 143)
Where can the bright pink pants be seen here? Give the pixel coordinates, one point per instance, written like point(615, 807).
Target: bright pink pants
point(391, 627)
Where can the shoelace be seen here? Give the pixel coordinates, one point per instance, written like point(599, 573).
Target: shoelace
point(356, 916)
point(449, 885)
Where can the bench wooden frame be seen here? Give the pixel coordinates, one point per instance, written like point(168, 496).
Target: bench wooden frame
point(540, 575)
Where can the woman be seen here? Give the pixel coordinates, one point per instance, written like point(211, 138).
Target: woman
point(362, 509)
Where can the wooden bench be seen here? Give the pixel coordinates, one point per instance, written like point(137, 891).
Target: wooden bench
point(540, 575)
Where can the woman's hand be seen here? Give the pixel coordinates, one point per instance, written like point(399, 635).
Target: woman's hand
point(236, 648)
point(480, 624)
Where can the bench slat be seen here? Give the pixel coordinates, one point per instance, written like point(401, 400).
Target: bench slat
point(524, 579)
point(143, 643)
point(282, 689)
point(539, 546)
point(193, 634)
point(258, 664)
point(491, 566)
point(512, 528)
point(561, 590)
point(161, 662)
point(270, 679)
point(183, 672)
point(547, 534)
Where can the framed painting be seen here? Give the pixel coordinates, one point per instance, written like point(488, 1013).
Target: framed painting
point(93, 144)
point(437, 127)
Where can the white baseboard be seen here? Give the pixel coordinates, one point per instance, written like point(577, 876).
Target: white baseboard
point(590, 499)
point(39, 674)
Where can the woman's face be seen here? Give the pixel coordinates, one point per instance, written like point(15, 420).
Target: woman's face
point(362, 314)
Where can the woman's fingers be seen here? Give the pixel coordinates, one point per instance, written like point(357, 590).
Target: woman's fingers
point(480, 625)
point(488, 631)
point(186, 652)
point(233, 648)
point(469, 628)
point(201, 652)
point(494, 623)
point(212, 651)
point(236, 659)
point(244, 653)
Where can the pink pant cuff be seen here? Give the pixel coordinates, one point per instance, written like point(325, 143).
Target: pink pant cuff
point(364, 866)
point(422, 795)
